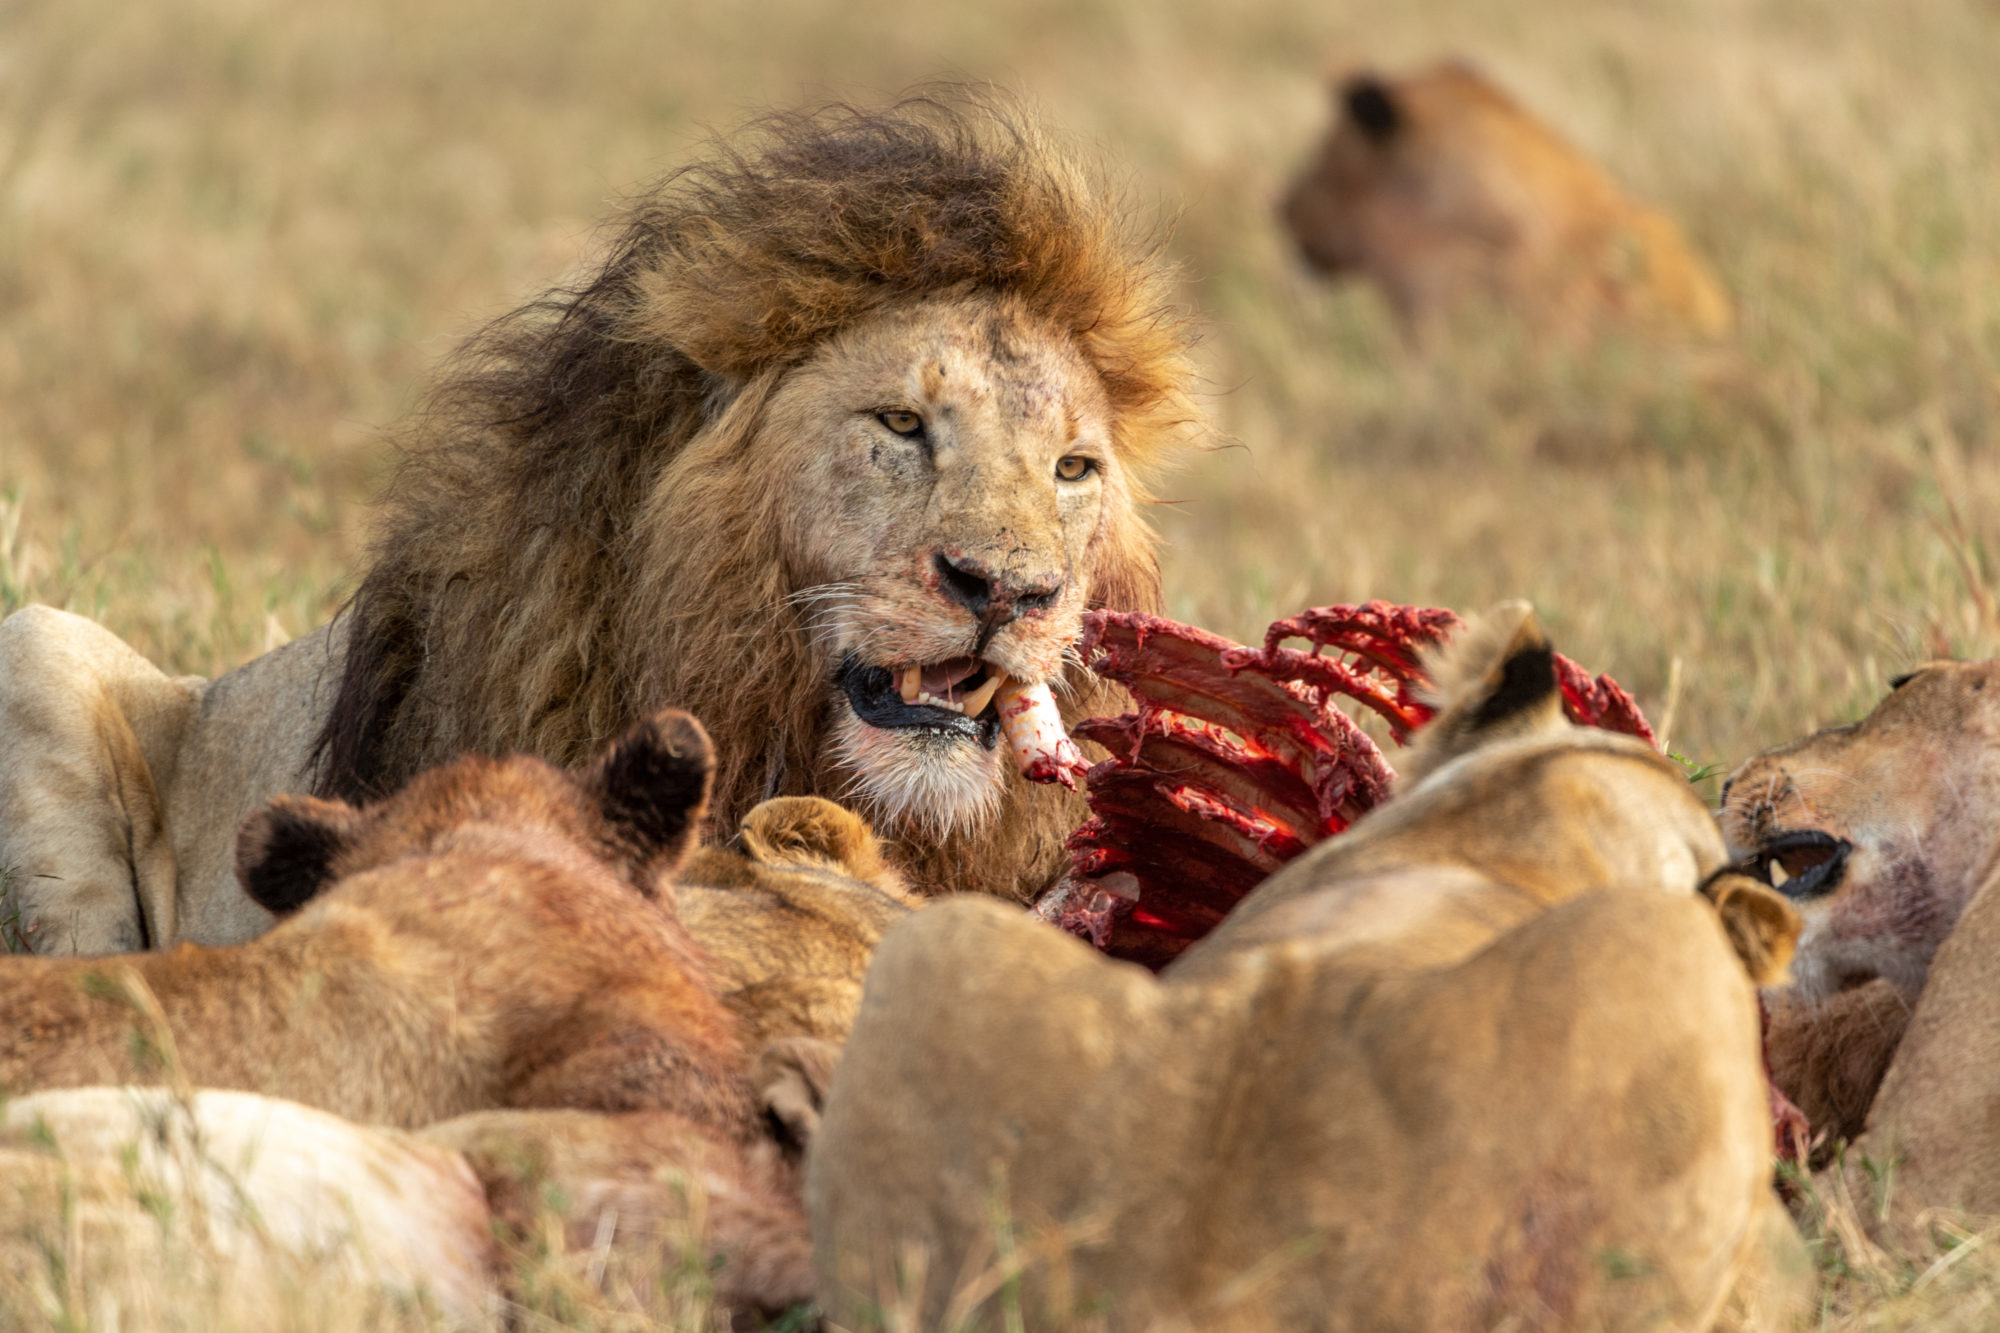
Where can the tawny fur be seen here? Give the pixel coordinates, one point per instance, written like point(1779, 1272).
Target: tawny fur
point(264, 1199)
point(650, 1184)
point(494, 935)
point(501, 934)
point(583, 528)
point(790, 917)
point(244, 1206)
point(1465, 673)
point(1931, 1150)
point(1829, 1055)
point(1438, 186)
point(1915, 789)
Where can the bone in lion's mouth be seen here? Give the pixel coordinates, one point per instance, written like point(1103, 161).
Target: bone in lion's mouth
point(969, 699)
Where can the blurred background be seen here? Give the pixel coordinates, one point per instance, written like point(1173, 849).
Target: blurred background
point(236, 236)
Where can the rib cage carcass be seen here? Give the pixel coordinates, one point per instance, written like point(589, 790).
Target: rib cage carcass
point(1237, 759)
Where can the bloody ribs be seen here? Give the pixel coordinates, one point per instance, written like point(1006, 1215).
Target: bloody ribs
point(1237, 759)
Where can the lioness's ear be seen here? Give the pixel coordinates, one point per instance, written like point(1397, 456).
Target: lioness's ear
point(1372, 107)
point(1762, 927)
point(286, 850)
point(1495, 680)
point(653, 784)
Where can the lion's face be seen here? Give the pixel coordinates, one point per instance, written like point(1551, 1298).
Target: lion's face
point(958, 478)
point(1881, 831)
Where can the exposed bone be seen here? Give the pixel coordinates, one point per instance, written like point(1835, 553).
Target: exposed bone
point(1033, 727)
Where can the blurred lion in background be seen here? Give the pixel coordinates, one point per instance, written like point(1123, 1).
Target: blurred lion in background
point(1437, 186)
point(841, 440)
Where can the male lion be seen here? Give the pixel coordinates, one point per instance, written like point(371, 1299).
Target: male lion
point(847, 433)
point(1485, 1060)
point(1438, 185)
point(1886, 835)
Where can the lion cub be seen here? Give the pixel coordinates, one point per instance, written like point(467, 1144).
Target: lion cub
point(499, 933)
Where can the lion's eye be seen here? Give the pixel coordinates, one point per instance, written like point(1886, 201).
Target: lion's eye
point(901, 422)
point(1074, 468)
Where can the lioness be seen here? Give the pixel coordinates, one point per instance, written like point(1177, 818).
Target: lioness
point(1886, 834)
point(496, 934)
point(789, 915)
point(850, 428)
point(1484, 1060)
point(1438, 185)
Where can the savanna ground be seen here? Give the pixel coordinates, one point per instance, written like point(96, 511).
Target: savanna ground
point(236, 235)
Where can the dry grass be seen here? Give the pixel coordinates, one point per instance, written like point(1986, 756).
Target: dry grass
point(235, 234)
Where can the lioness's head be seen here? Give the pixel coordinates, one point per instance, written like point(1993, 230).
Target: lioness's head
point(1437, 184)
point(634, 813)
point(849, 430)
point(1880, 831)
point(1425, 182)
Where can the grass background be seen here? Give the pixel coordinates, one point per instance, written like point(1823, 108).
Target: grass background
point(236, 234)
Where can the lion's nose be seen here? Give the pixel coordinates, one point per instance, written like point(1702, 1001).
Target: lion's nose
point(993, 598)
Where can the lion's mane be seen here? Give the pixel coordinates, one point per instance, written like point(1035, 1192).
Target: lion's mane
point(576, 535)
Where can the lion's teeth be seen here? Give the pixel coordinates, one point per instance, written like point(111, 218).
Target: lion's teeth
point(933, 701)
point(975, 703)
point(912, 684)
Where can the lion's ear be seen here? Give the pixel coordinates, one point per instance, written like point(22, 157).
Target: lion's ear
point(652, 785)
point(1495, 680)
point(1762, 927)
point(285, 851)
point(1372, 107)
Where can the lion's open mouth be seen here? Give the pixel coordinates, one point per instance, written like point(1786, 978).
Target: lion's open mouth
point(953, 698)
point(1803, 865)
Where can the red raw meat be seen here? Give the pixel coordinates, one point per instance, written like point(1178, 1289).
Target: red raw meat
point(1237, 759)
